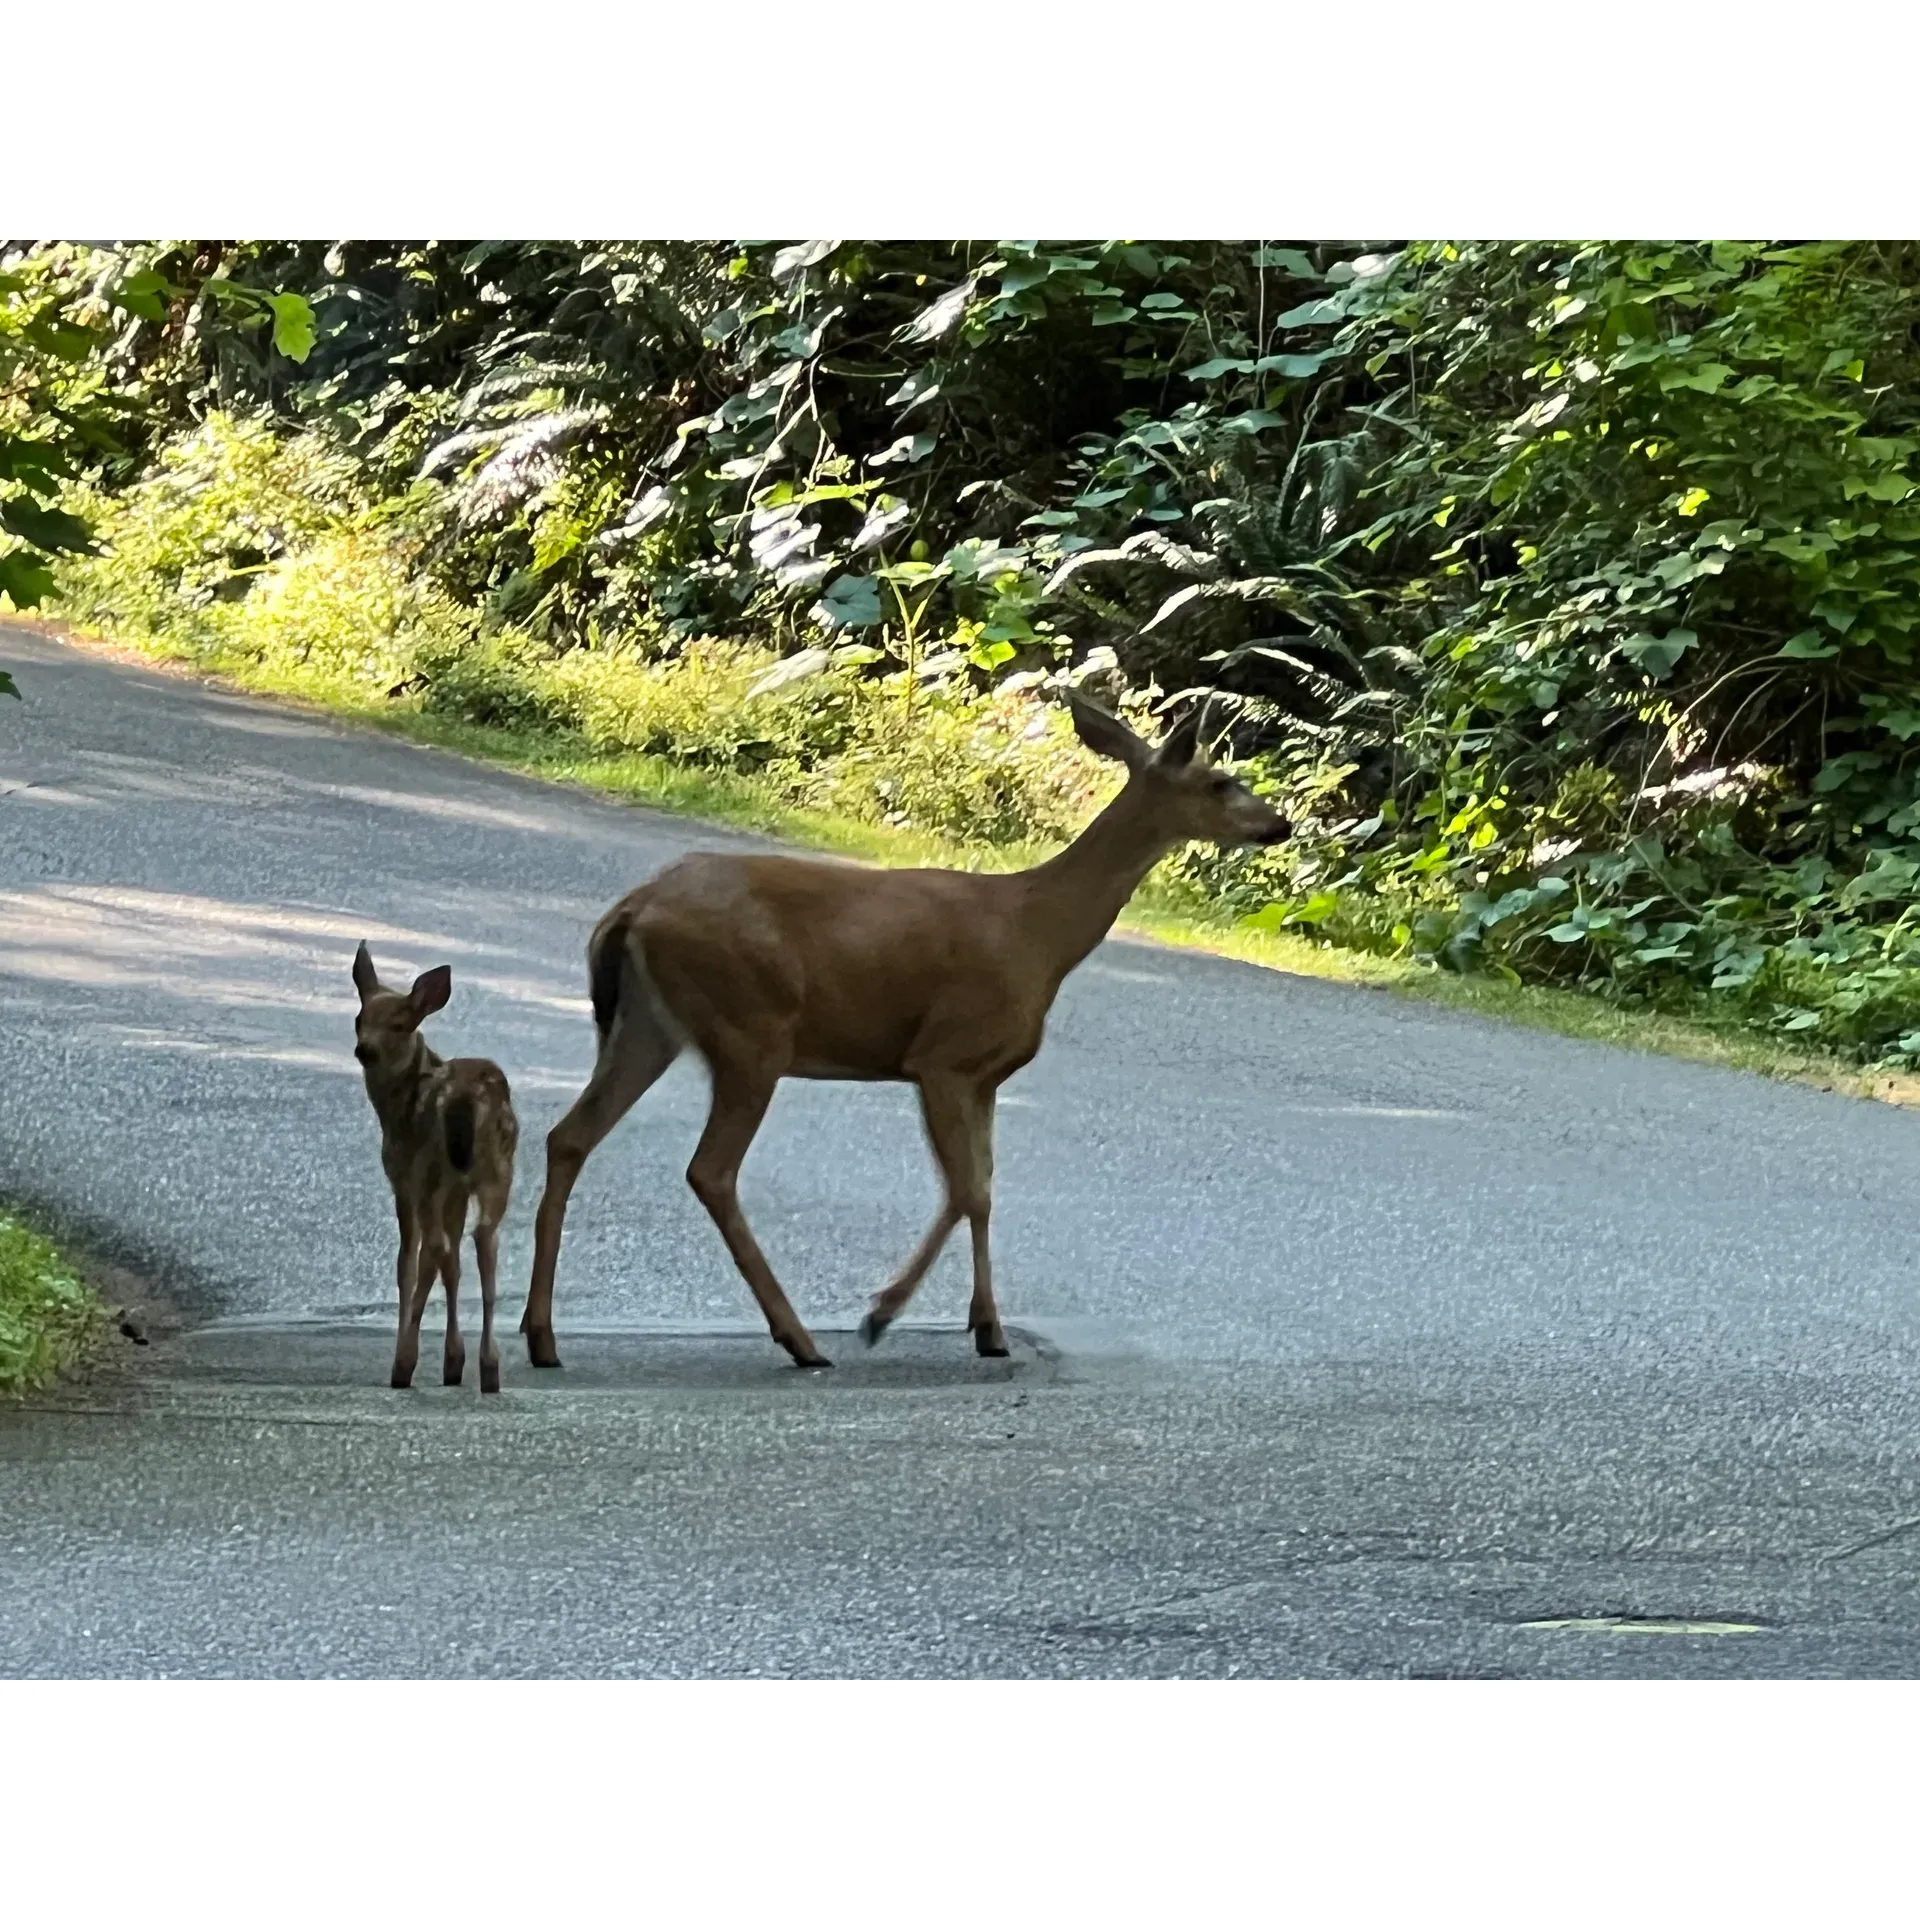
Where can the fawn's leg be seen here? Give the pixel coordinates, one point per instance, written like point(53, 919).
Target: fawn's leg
point(406, 1344)
point(958, 1120)
point(741, 1092)
point(486, 1246)
point(637, 1052)
point(452, 1225)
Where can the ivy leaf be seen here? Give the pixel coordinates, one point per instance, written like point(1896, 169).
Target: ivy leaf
point(24, 580)
point(1315, 313)
point(292, 325)
point(940, 319)
point(1294, 366)
point(852, 601)
point(1288, 260)
point(35, 464)
point(803, 254)
point(909, 449)
point(46, 527)
point(142, 294)
point(1809, 644)
point(1658, 655)
point(886, 514)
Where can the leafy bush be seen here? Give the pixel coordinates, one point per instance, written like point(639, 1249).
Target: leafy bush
point(252, 550)
point(1562, 592)
point(47, 1315)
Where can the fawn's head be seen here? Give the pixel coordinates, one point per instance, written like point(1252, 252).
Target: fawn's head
point(1194, 799)
point(384, 1030)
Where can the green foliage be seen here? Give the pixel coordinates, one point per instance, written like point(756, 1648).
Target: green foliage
point(47, 1314)
point(71, 391)
point(1658, 512)
point(1563, 593)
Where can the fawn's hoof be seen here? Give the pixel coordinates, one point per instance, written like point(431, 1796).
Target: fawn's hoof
point(540, 1346)
point(489, 1376)
point(401, 1376)
point(453, 1372)
point(990, 1343)
point(871, 1328)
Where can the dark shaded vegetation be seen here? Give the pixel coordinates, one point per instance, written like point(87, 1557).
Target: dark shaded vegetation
point(1562, 592)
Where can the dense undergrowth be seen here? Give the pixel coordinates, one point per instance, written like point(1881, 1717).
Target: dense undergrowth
point(47, 1315)
point(1563, 593)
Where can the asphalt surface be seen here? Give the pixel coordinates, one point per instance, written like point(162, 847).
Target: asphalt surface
point(1350, 1337)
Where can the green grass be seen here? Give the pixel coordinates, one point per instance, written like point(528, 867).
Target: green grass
point(48, 1314)
point(1161, 912)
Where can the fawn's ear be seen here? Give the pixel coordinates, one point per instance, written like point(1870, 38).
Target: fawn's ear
point(364, 976)
point(431, 992)
point(1107, 734)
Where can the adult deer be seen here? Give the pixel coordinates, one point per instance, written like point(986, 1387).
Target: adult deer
point(772, 966)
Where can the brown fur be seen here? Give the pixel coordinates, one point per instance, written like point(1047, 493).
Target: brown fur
point(447, 1140)
point(771, 966)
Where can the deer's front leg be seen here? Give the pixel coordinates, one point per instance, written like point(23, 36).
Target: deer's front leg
point(959, 1121)
point(983, 1312)
point(406, 1345)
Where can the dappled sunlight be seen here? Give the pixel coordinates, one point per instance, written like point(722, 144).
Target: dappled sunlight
point(291, 959)
point(532, 817)
point(32, 793)
point(131, 775)
point(239, 719)
point(151, 1040)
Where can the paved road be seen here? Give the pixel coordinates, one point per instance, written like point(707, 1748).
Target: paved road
point(1350, 1336)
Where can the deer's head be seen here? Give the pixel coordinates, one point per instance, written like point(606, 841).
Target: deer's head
point(1195, 799)
point(384, 1029)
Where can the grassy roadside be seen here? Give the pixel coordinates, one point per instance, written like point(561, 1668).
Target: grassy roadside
point(49, 1317)
point(1158, 913)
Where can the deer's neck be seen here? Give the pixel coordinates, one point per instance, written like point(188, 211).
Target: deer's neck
point(1074, 898)
point(399, 1093)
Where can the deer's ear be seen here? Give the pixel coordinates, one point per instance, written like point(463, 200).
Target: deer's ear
point(364, 976)
point(1106, 733)
point(430, 992)
point(1180, 746)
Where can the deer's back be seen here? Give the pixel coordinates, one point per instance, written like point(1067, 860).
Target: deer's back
point(864, 971)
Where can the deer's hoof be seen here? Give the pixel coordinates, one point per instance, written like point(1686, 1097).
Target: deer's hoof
point(453, 1373)
point(990, 1343)
point(401, 1376)
point(541, 1349)
point(803, 1352)
point(489, 1376)
point(871, 1328)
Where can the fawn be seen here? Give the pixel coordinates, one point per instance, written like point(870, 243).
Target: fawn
point(447, 1137)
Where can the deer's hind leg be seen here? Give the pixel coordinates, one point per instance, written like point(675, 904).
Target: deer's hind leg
point(638, 1050)
point(744, 1077)
point(486, 1249)
point(453, 1223)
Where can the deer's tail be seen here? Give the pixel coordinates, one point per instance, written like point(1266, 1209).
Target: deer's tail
point(605, 966)
point(459, 1120)
point(622, 988)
